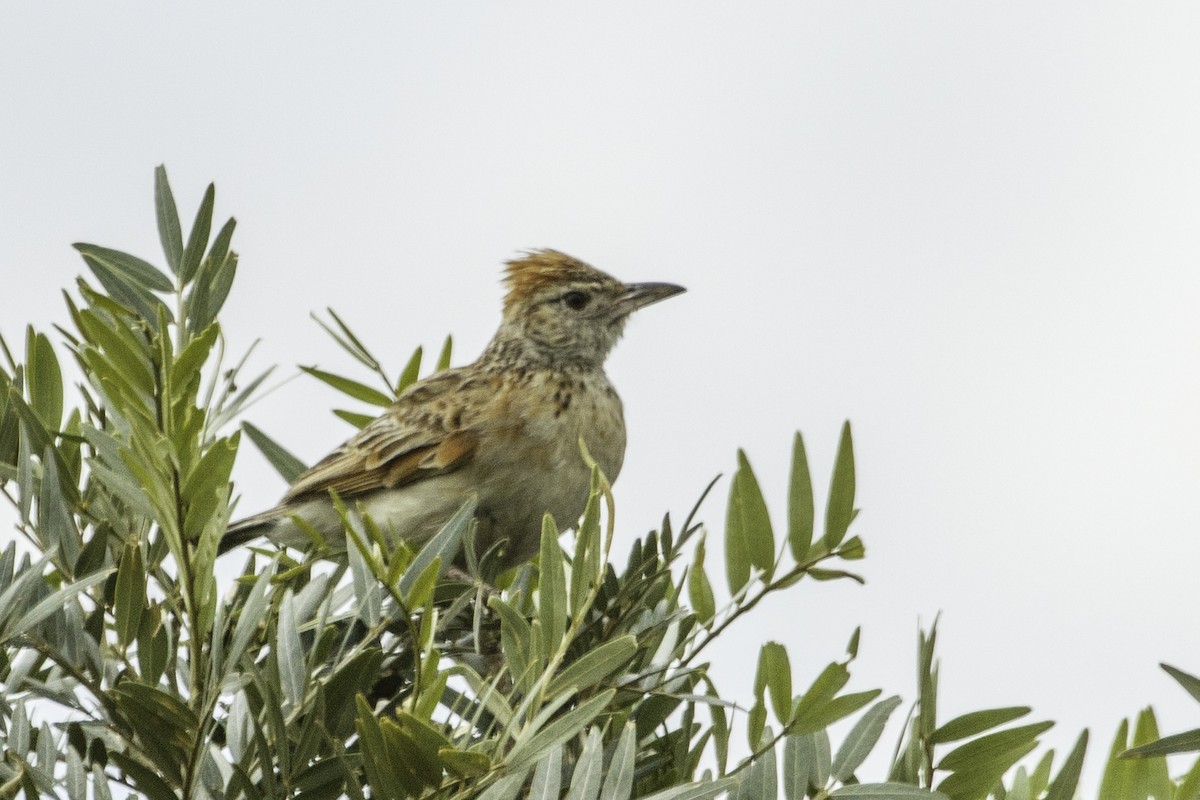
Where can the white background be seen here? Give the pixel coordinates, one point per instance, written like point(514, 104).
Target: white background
point(969, 228)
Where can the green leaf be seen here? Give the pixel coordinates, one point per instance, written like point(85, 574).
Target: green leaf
point(547, 776)
point(759, 781)
point(1039, 779)
point(756, 723)
point(220, 246)
point(595, 665)
point(618, 782)
point(44, 380)
point(756, 523)
point(823, 689)
point(130, 598)
point(443, 361)
point(585, 563)
point(1190, 683)
point(198, 238)
point(56, 601)
point(143, 779)
point(800, 502)
point(700, 591)
point(840, 509)
point(985, 747)
point(141, 272)
point(1188, 787)
point(359, 391)
point(169, 232)
point(695, 791)
point(422, 588)
point(978, 765)
point(444, 545)
point(465, 763)
point(773, 663)
point(976, 781)
point(530, 748)
point(359, 421)
point(408, 376)
point(799, 757)
point(552, 589)
point(1063, 787)
point(506, 788)
point(193, 356)
point(585, 780)
point(210, 290)
point(861, 739)
point(976, 722)
point(818, 574)
point(287, 465)
point(130, 295)
point(375, 757)
point(289, 651)
point(886, 791)
point(56, 524)
point(836, 709)
point(1186, 742)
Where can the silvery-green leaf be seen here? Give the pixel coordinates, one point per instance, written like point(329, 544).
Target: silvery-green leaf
point(547, 776)
point(290, 653)
point(585, 781)
point(861, 739)
point(618, 783)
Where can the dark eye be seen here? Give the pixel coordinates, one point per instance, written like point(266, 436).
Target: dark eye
point(576, 300)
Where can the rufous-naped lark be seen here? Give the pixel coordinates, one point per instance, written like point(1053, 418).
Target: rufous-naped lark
point(505, 428)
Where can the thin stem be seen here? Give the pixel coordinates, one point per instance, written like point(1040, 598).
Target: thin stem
point(775, 585)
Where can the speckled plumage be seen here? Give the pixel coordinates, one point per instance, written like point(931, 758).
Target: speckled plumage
point(505, 428)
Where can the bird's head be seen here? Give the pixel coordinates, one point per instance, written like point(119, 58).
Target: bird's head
point(561, 312)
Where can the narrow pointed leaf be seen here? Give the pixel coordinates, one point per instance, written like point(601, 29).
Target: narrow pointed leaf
point(290, 652)
point(886, 791)
point(443, 361)
point(700, 591)
point(799, 757)
point(596, 664)
point(840, 510)
point(555, 733)
point(444, 546)
point(773, 660)
point(130, 599)
point(1190, 683)
point(44, 380)
point(585, 781)
point(141, 272)
point(1064, 785)
point(287, 465)
point(1186, 742)
point(618, 782)
point(197, 241)
point(800, 502)
point(552, 589)
point(169, 232)
point(408, 376)
point(976, 722)
point(547, 776)
point(861, 739)
point(359, 391)
point(991, 744)
point(756, 523)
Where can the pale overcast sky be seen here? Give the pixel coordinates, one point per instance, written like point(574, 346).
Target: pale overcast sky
point(970, 228)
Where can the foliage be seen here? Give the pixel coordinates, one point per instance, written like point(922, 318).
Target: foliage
point(376, 672)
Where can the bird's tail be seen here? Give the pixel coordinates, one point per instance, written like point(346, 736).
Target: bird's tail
point(246, 530)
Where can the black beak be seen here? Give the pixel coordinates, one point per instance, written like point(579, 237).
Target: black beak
point(640, 295)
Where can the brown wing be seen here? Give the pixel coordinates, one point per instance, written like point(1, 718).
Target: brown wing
point(431, 429)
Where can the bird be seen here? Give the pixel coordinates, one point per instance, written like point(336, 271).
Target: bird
point(505, 429)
